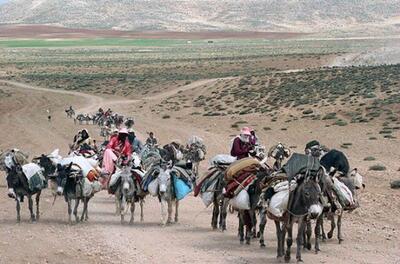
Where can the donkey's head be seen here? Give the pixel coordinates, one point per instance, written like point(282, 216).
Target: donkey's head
point(307, 196)
point(357, 179)
point(47, 164)
point(62, 175)
point(164, 178)
point(127, 184)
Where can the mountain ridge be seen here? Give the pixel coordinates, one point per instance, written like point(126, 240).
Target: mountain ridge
point(306, 16)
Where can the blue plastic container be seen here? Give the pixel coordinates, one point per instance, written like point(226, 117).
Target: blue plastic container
point(181, 188)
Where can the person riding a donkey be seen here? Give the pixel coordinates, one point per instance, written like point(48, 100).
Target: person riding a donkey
point(83, 141)
point(241, 147)
point(118, 147)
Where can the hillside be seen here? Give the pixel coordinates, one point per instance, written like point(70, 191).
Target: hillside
point(225, 15)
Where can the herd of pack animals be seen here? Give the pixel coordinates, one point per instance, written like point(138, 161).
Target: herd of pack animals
point(313, 197)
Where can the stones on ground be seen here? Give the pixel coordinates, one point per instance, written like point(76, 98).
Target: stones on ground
point(395, 184)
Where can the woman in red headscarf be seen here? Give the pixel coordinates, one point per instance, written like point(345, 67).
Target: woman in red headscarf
point(118, 146)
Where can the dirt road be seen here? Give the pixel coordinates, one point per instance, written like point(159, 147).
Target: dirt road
point(370, 235)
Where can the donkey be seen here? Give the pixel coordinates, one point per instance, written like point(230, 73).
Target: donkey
point(18, 181)
point(127, 189)
point(304, 201)
point(220, 203)
point(126, 194)
point(12, 163)
point(70, 113)
point(353, 182)
point(247, 218)
point(195, 152)
point(70, 183)
point(80, 118)
point(166, 194)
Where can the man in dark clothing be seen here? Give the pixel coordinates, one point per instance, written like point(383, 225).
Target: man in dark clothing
point(151, 140)
point(241, 146)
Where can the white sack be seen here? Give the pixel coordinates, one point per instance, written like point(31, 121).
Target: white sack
point(278, 203)
point(114, 178)
point(153, 187)
point(87, 188)
point(208, 196)
point(82, 162)
point(343, 193)
point(222, 159)
point(241, 201)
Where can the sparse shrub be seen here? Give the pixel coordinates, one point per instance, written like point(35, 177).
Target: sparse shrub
point(166, 116)
point(340, 122)
point(377, 167)
point(329, 116)
point(369, 158)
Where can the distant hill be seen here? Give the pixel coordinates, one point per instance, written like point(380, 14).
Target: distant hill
point(366, 16)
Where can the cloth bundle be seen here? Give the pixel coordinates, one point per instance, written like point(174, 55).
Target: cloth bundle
point(301, 164)
point(34, 175)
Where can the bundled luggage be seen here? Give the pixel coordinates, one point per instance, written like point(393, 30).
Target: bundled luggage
point(183, 181)
point(343, 193)
point(34, 175)
point(240, 166)
point(301, 164)
point(88, 170)
point(181, 187)
point(222, 160)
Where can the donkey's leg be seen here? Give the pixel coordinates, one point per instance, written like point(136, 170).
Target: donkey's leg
point(241, 227)
point(223, 214)
point(30, 201)
point(333, 226)
point(76, 210)
point(317, 230)
point(69, 210)
point(248, 225)
point(339, 227)
point(87, 209)
point(37, 205)
point(84, 216)
point(123, 207)
point(163, 211)
point(322, 234)
point(141, 211)
point(278, 239)
point(132, 211)
point(289, 239)
point(169, 212)
point(18, 207)
point(263, 222)
point(117, 204)
point(176, 211)
point(302, 225)
point(215, 214)
point(253, 216)
point(308, 232)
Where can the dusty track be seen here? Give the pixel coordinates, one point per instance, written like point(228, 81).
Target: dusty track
point(103, 239)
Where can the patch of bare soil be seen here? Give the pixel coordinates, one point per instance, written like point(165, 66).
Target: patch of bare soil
point(371, 233)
